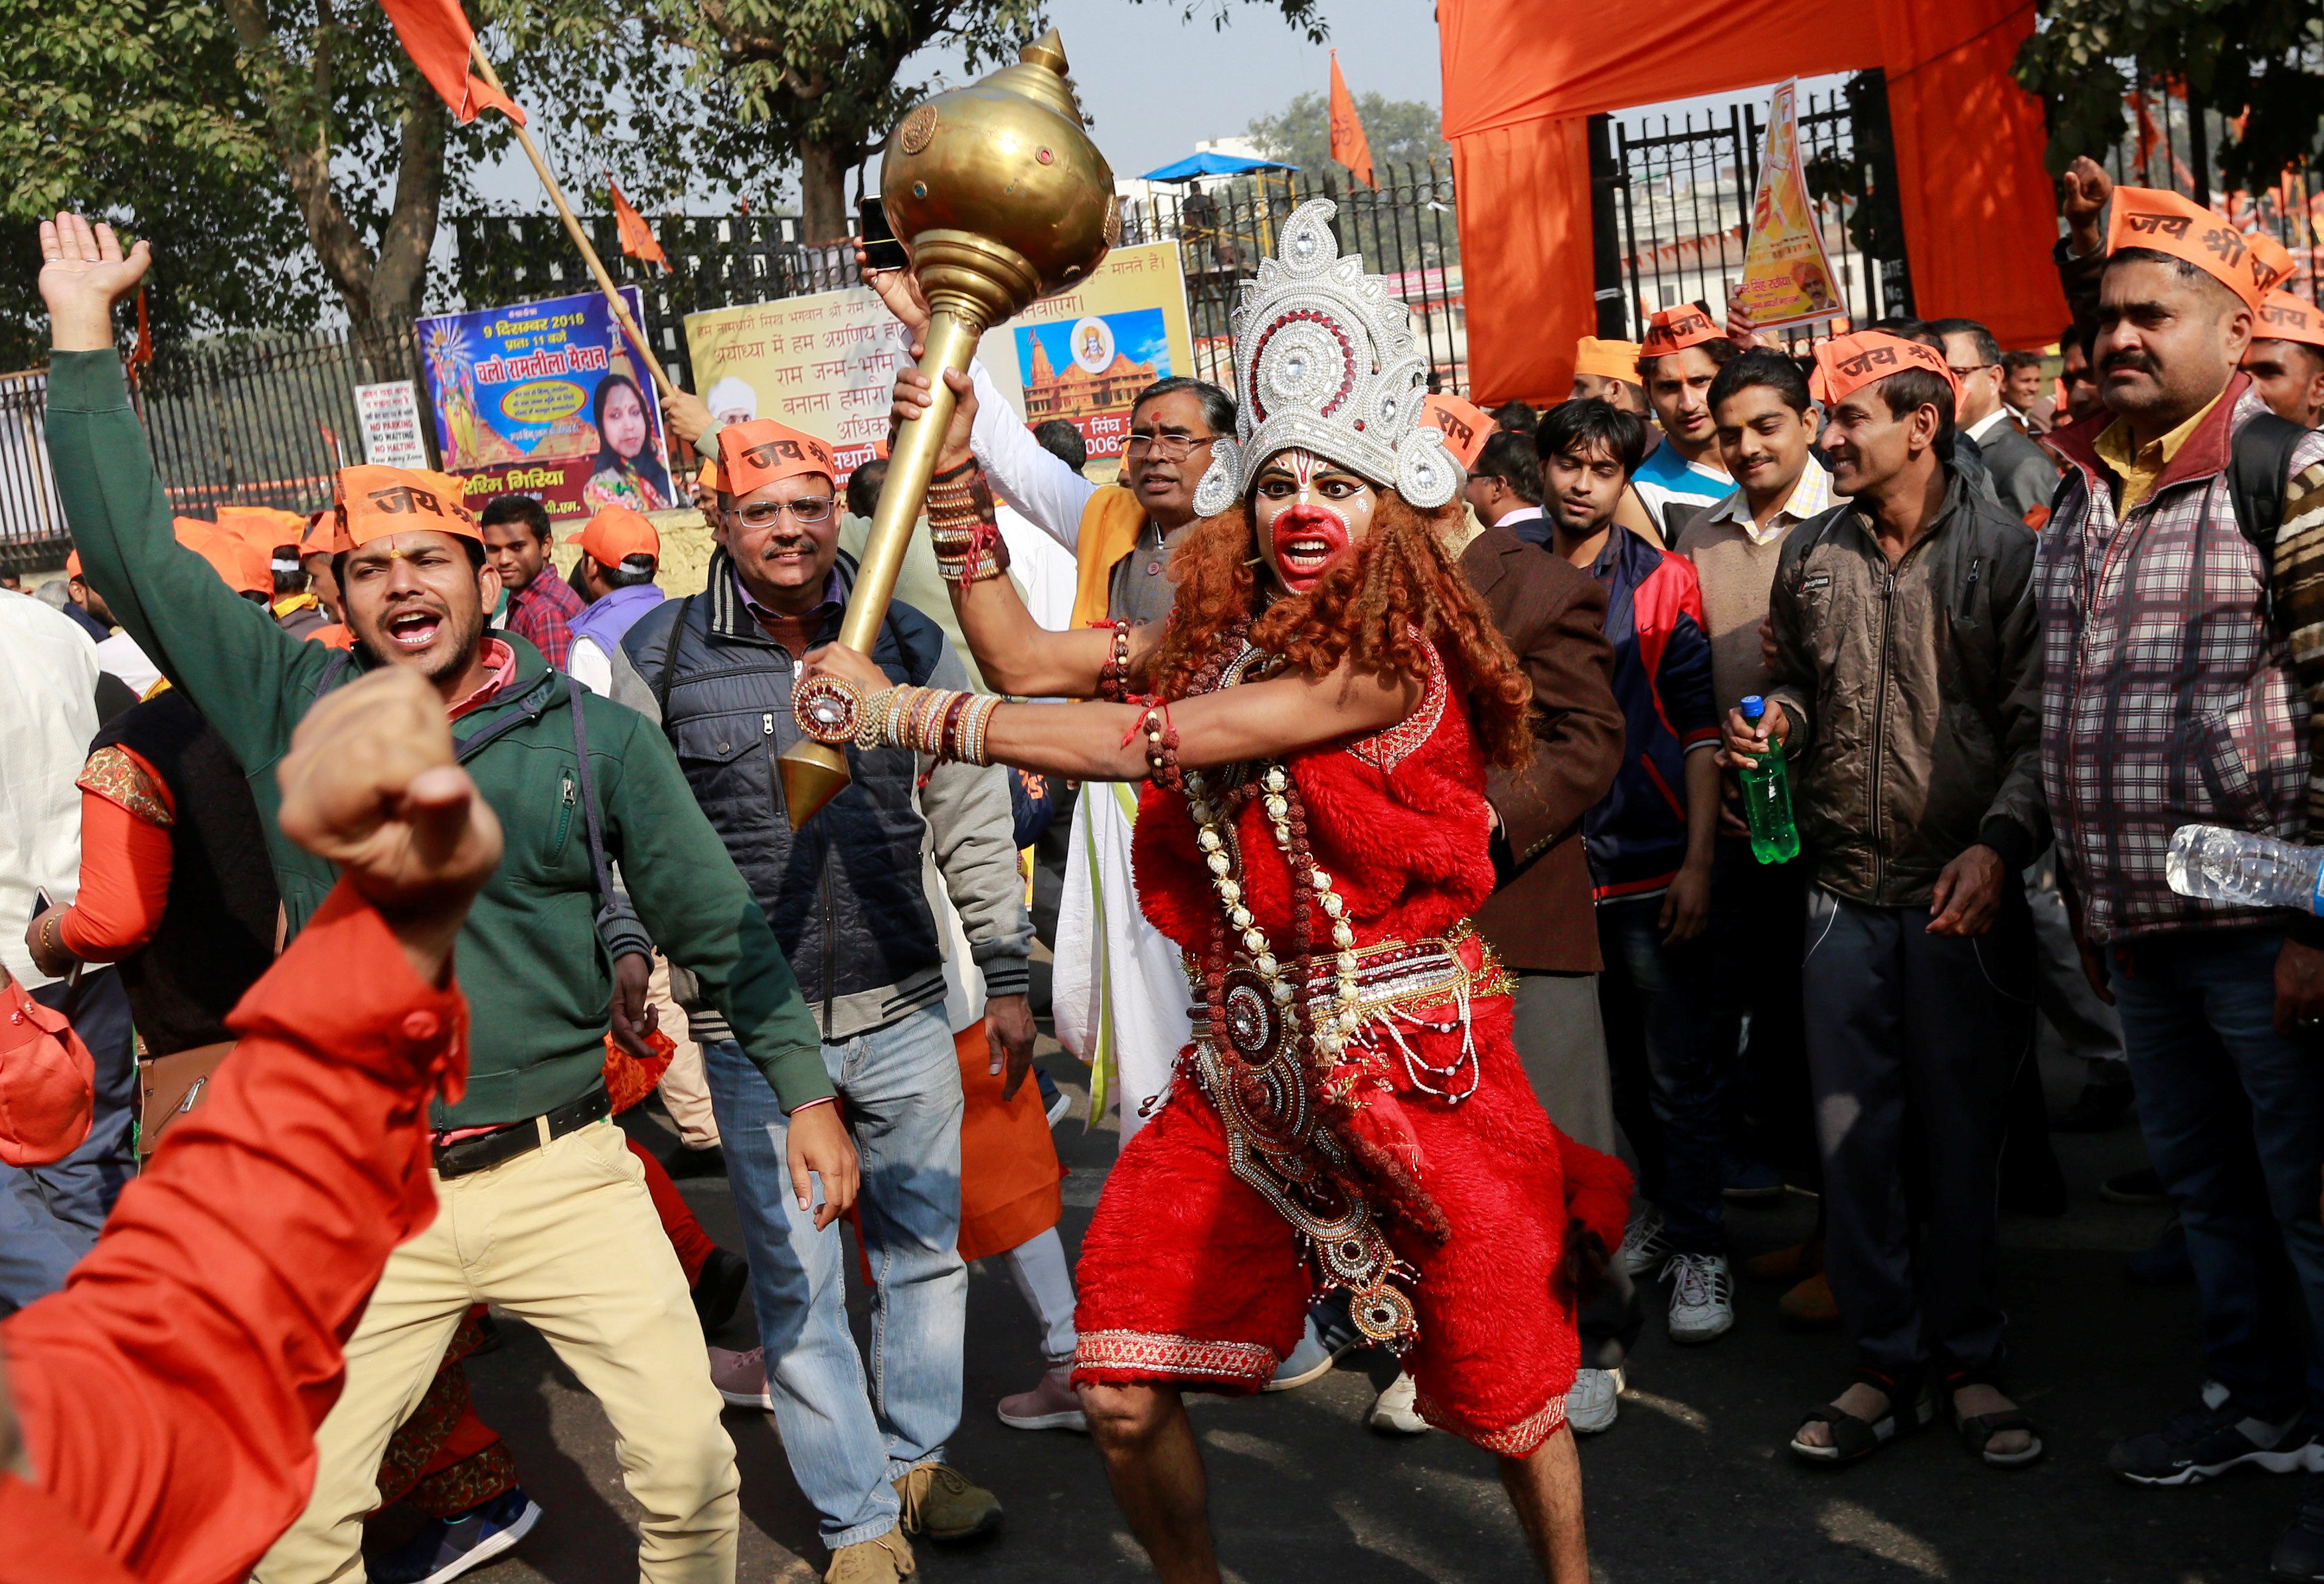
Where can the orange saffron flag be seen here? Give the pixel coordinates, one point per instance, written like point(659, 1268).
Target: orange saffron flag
point(142, 354)
point(436, 35)
point(637, 237)
point(1349, 146)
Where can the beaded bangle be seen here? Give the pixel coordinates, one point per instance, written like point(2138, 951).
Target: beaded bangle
point(1161, 745)
point(977, 726)
point(1114, 677)
point(872, 723)
point(948, 734)
point(828, 708)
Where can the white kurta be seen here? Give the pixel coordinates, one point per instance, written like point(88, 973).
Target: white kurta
point(1120, 996)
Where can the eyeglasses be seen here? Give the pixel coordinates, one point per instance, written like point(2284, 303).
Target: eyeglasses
point(813, 509)
point(1167, 447)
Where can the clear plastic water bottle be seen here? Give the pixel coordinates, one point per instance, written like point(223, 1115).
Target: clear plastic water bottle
point(1767, 797)
point(2250, 871)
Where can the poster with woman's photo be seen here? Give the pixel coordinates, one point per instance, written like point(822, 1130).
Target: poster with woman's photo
point(545, 399)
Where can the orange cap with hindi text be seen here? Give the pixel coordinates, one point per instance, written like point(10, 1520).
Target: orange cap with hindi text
point(1466, 427)
point(759, 452)
point(1674, 329)
point(1847, 364)
point(265, 526)
point(615, 534)
point(2285, 318)
point(1600, 358)
point(2167, 223)
point(375, 502)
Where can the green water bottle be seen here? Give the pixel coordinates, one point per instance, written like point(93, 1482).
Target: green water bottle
point(1767, 798)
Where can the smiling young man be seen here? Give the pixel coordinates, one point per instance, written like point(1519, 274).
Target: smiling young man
point(848, 898)
point(546, 1213)
point(1683, 353)
point(1767, 433)
point(1649, 841)
point(2183, 685)
point(1906, 693)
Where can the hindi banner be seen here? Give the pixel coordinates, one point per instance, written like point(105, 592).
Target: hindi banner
point(543, 399)
point(1787, 278)
point(826, 364)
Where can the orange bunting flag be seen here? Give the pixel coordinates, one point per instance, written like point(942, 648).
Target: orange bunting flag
point(436, 35)
point(142, 354)
point(637, 237)
point(1349, 146)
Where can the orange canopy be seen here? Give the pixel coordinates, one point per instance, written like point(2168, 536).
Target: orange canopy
point(1520, 82)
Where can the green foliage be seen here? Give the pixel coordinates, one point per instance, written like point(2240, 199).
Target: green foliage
point(2266, 57)
point(1400, 132)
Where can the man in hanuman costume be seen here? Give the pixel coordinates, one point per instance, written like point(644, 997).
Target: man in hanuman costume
point(1314, 722)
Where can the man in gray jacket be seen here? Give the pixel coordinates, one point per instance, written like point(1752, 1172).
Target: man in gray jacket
point(2023, 475)
point(846, 899)
point(1907, 696)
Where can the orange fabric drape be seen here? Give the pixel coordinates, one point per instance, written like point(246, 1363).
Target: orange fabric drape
point(1526, 274)
point(1980, 212)
point(1519, 87)
point(1008, 1170)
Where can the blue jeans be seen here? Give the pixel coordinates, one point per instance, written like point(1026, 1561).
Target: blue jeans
point(1669, 1083)
point(2233, 1117)
point(902, 1086)
point(50, 1215)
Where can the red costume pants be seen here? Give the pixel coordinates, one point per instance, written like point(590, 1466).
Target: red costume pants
point(1190, 1277)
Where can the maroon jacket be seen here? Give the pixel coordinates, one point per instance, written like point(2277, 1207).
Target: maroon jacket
point(1553, 615)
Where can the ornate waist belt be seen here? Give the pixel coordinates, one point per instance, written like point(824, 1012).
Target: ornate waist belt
point(1256, 1071)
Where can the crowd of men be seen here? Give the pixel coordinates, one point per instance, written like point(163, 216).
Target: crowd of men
point(2004, 641)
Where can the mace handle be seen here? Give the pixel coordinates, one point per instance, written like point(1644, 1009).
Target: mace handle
point(812, 773)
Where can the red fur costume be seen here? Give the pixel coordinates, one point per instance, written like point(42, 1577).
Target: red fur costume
point(1189, 1276)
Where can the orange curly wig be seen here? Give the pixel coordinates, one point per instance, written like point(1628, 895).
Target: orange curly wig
point(1371, 609)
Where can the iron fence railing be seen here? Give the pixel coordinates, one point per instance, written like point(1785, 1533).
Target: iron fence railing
point(1405, 230)
point(263, 420)
point(32, 524)
point(1681, 204)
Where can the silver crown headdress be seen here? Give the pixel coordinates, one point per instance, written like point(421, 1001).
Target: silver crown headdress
point(1325, 361)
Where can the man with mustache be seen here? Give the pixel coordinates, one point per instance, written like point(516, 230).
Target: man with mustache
point(2182, 681)
point(546, 1213)
point(1905, 693)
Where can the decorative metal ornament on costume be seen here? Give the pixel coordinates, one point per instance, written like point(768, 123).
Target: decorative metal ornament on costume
point(1324, 362)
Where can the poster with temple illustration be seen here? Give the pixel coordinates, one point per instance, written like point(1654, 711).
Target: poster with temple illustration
point(545, 399)
point(826, 363)
point(1787, 277)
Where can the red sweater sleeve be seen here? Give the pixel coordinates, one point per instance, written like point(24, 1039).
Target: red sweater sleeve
point(169, 1394)
point(125, 880)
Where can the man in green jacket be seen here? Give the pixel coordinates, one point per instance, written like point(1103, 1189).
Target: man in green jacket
point(544, 1210)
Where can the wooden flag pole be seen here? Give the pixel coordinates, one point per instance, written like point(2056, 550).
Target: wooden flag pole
point(573, 229)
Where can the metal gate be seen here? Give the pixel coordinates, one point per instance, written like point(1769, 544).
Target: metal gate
point(1671, 204)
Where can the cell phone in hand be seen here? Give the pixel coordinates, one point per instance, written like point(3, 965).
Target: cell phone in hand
point(882, 250)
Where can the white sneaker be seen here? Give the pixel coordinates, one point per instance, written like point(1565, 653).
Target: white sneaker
point(1703, 1297)
point(742, 1378)
point(1398, 1411)
point(1590, 1405)
point(1643, 1245)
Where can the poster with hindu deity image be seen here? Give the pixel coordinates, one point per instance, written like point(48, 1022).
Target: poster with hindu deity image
point(1787, 277)
point(545, 399)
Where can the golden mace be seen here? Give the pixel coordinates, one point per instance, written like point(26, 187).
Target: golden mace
point(1000, 198)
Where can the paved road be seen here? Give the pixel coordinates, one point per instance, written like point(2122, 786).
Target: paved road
point(1692, 1484)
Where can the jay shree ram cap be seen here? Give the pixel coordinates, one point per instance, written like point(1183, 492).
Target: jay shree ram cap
point(376, 502)
point(2246, 264)
point(615, 534)
point(1847, 364)
point(1674, 329)
point(759, 452)
point(1604, 359)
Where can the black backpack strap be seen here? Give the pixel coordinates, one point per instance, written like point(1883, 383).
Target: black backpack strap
point(669, 658)
point(2261, 456)
point(618, 925)
point(329, 679)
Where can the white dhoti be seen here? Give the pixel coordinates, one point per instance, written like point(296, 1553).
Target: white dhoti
point(1120, 994)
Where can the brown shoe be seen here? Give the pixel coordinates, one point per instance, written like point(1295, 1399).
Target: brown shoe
point(884, 1559)
point(1786, 1265)
point(940, 1504)
point(1810, 1303)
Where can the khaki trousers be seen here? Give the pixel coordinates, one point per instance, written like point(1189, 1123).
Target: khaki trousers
point(565, 1237)
point(685, 1088)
